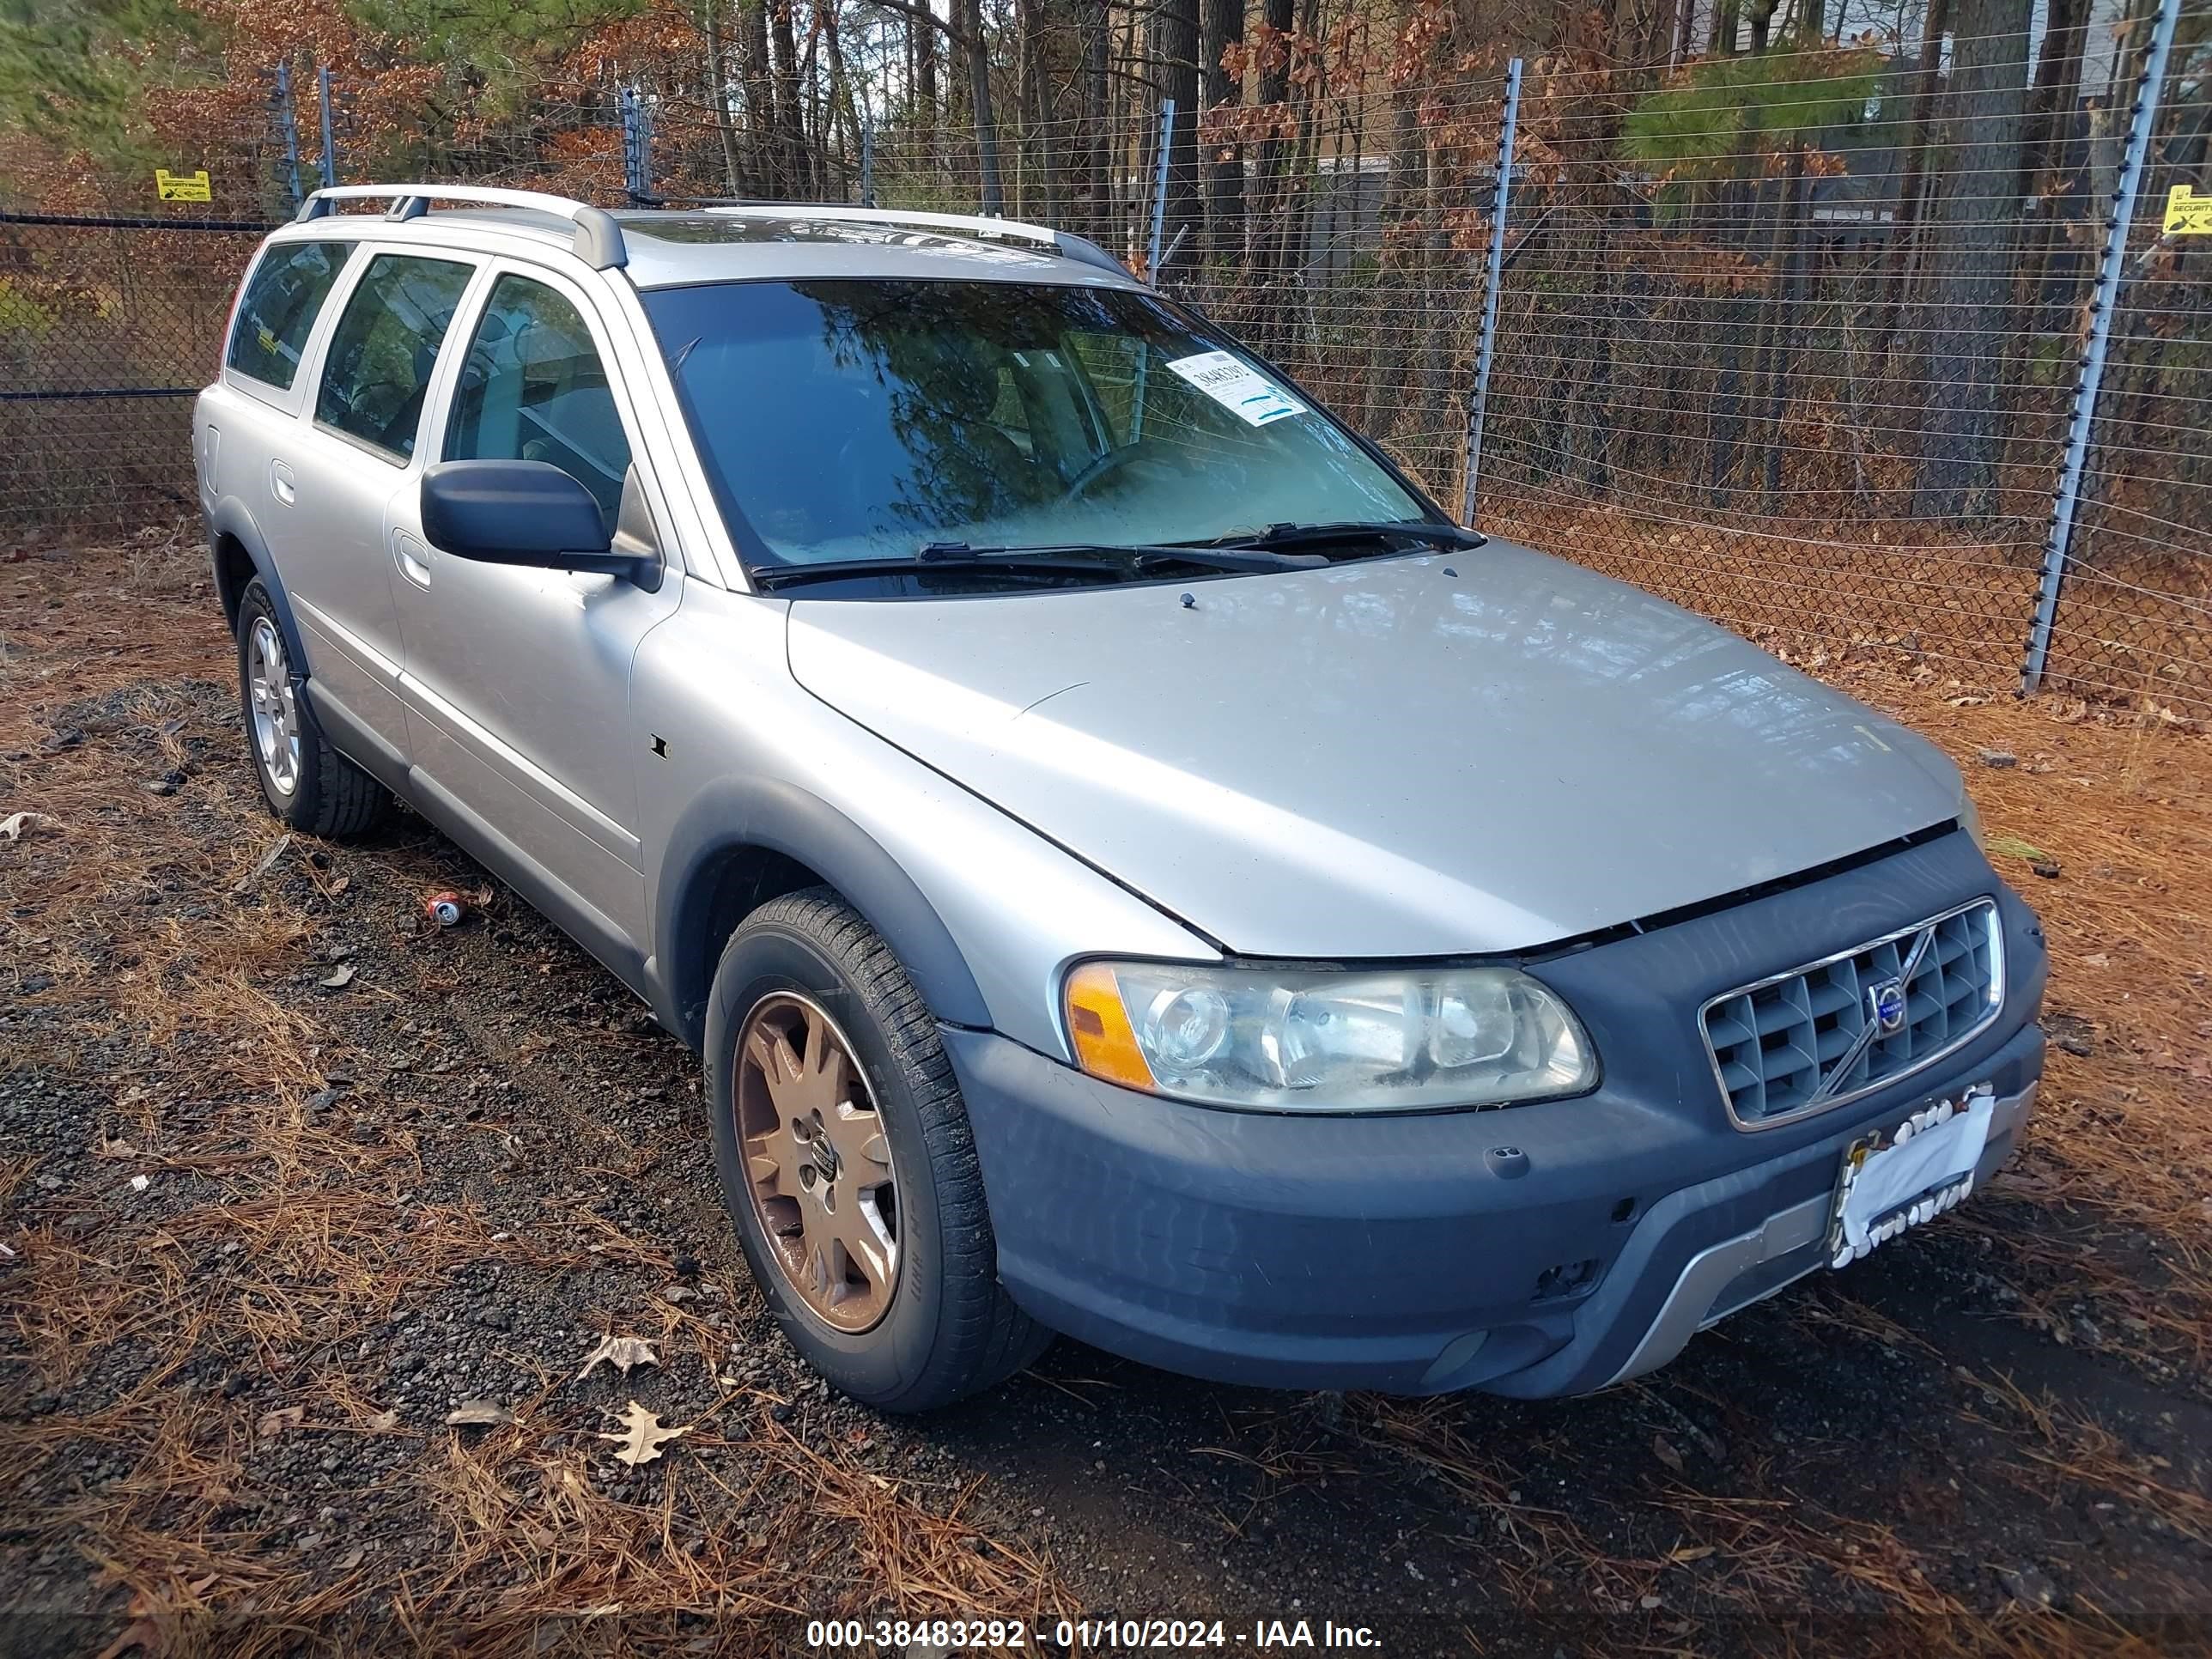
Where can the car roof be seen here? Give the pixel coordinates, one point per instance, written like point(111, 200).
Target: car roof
point(674, 247)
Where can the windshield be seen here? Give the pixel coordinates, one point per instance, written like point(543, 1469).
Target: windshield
point(843, 420)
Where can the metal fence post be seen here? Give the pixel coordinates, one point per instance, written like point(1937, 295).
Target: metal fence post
point(329, 145)
point(2090, 380)
point(1160, 190)
point(637, 148)
point(1478, 400)
point(867, 160)
point(288, 131)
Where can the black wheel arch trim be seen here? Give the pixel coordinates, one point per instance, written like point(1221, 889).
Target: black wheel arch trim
point(230, 517)
point(748, 814)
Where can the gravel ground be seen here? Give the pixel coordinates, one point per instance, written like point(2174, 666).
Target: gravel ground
point(292, 1175)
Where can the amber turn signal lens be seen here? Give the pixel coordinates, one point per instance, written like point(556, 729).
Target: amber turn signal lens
point(1105, 1047)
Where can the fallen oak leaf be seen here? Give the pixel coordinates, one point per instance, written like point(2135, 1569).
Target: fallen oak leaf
point(642, 1436)
point(272, 1424)
point(621, 1353)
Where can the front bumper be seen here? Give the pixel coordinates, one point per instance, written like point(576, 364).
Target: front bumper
point(1408, 1253)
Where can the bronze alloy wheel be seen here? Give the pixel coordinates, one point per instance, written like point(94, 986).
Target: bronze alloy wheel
point(817, 1161)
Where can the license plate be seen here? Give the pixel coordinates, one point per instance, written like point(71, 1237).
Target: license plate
point(1900, 1177)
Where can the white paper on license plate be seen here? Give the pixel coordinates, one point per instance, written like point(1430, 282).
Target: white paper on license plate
point(1237, 388)
point(1933, 1158)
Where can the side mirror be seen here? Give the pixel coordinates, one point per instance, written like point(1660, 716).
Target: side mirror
point(525, 512)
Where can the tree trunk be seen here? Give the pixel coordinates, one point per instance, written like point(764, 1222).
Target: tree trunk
point(968, 15)
point(790, 136)
point(1975, 213)
point(2051, 112)
point(1920, 125)
point(1094, 192)
point(1270, 243)
point(753, 68)
point(929, 110)
point(1033, 176)
point(718, 88)
point(1174, 47)
point(1224, 167)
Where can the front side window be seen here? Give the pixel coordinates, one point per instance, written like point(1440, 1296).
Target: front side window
point(845, 419)
point(532, 388)
point(378, 369)
point(279, 310)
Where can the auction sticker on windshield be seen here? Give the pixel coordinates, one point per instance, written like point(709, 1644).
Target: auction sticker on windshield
point(1237, 387)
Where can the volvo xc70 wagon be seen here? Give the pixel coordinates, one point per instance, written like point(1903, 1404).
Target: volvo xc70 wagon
point(1133, 865)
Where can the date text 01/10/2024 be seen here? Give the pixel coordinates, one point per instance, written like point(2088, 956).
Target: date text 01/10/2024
point(1085, 1635)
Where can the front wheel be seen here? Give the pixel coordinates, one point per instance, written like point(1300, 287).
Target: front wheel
point(847, 1166)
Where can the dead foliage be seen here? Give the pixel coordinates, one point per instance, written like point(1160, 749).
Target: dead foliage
point(283, 1220)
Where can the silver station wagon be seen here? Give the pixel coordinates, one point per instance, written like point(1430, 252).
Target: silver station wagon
point(1132, 867)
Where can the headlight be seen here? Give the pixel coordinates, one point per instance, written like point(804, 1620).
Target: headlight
point(1326, 1042)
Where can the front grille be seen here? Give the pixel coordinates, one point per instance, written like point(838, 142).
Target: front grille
point(1799, 1042)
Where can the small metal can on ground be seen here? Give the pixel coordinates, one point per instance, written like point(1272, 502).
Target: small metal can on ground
point(446, 908)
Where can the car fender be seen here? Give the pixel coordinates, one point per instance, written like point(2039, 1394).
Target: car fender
point(768, 814)
point(231, 517)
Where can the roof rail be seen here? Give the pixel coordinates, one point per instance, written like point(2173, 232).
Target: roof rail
point(1079, 248)
point(598, 238)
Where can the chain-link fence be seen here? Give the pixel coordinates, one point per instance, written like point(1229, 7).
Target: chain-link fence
point(1820, 340)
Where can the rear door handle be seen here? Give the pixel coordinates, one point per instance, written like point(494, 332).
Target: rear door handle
point(282, 484)
point(412, 558)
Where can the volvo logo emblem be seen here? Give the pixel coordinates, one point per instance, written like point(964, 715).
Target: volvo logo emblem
point(1885, 1005)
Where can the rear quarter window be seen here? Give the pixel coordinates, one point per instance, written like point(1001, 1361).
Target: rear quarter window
point(279, 309)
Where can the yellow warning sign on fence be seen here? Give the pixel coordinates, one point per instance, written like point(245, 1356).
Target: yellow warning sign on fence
point(2188, 214)
point(191, 186)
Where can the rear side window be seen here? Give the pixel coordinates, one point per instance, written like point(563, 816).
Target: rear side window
point(533, 389)
point(378, 369)
point(279, 310)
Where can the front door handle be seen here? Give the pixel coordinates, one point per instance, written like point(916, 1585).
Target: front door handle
point(282, 484)
point(412, 558)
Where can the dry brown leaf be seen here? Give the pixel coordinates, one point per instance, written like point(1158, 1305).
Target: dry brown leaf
point(1690, 1553)
point(642, 1436)
point(384, 1422)
point(338, 979)
point(477, 1414)
point(272, 1424)
point(1663, 1449)
point(16, 825)
point(621, 1353)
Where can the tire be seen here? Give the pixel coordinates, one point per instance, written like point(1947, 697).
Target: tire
point(307, 784)
point(945, 1328)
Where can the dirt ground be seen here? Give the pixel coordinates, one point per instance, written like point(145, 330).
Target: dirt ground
point(290, 1176)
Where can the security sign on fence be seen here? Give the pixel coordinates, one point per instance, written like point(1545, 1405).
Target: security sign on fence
point(182, 186)
point(1885, 341)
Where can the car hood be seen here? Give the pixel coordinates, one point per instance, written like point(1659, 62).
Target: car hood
point(1385, 758)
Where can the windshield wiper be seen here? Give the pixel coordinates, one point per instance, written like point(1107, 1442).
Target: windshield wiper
point(1414, 533)
point(1083, 558)
point(1208, 556)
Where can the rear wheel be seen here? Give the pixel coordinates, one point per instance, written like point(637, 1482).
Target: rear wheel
point(847, 1164)
point(305, 781)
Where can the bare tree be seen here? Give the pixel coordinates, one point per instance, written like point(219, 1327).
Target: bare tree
point(1973, 217)
point(1172, 41)
point(1223, 28)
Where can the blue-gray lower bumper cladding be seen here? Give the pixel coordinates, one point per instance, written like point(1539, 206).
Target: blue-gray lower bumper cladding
point(1537, 1250)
